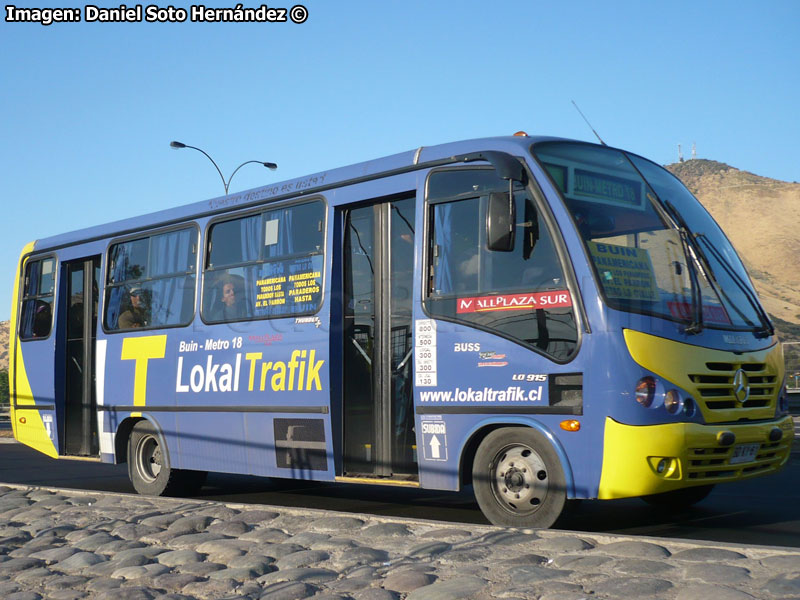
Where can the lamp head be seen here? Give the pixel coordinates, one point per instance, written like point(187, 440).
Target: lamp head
point(177, 145)
point(270, 165)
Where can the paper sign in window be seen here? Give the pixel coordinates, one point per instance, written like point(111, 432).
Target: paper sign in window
point(271, 232)
point(625, 272)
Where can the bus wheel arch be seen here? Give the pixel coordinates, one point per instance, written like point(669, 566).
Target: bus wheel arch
point(518, 478)
point(121, 438)
point(149, 466)
point(471, 447)
point(477, 436)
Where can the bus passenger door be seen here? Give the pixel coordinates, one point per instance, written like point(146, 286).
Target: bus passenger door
point(378, 265)
point(80, 310)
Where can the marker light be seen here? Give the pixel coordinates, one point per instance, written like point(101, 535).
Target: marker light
point(645, 391)
point(668, 467)
point(520, 134)
point(726, 438)
point(570, 425)
point(672, 401)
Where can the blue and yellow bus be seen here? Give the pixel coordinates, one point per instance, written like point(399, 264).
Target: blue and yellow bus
point(540, 318)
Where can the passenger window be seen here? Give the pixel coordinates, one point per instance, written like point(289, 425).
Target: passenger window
point(265, 265)
point(521, 294)
point(36, 317)
point(151, 281)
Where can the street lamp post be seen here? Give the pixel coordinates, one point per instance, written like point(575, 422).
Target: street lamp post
point(270, 165)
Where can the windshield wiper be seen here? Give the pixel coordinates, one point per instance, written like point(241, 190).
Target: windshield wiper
point(697, 260)
point(694, 256)
point(767, 327)
point(702, 260)
point(667, 212)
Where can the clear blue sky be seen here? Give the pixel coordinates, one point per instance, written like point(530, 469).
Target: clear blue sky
point(88, 110)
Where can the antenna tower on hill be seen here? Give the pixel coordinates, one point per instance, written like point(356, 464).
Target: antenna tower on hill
point(694, 150)
point(680, 154)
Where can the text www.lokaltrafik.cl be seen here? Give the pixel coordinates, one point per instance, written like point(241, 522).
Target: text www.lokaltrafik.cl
point(510, 394)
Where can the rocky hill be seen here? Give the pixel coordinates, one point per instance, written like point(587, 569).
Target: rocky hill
point(761, 216)
point(3, 345)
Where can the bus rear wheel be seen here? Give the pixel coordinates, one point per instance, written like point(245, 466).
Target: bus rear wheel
point(149, 469)
point(518, 479)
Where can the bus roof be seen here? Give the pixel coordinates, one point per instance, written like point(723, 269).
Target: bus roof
point(291, 188)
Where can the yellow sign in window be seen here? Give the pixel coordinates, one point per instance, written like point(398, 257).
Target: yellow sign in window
point(626, 272)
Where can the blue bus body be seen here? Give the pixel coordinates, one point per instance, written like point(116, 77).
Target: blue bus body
point(271, 395)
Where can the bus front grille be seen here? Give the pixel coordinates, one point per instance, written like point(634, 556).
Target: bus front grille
point(715, 388)
point(713, 463)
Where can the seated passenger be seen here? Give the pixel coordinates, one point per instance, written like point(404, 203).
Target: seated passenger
point(137, 315)
point(229, 307)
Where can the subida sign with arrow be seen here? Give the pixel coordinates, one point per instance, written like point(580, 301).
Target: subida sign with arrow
point(434, 440)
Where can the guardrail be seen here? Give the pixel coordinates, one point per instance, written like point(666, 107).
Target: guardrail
point(794, 402)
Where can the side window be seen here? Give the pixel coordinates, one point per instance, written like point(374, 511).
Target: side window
point(36, 317)
point(265, 265)
point(519, 293)
point(151, 281)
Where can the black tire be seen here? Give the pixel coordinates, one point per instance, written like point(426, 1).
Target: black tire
point(149, 469)
point(518, 479)
point(682, 498)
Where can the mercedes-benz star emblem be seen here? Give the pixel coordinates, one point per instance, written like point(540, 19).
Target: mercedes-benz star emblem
point(741, 386)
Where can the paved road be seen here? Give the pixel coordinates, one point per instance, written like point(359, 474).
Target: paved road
point(71, 545)
point(762, 511)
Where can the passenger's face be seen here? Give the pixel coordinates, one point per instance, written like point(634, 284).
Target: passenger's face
point(228, 294)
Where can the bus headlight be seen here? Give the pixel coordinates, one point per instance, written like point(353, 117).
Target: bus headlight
point(645, 391)
point(672, 401)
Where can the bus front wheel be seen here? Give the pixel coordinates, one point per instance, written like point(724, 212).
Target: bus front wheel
point(149, 469)
point(518, 479)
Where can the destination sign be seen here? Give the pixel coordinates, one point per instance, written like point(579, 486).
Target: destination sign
point(610, 189)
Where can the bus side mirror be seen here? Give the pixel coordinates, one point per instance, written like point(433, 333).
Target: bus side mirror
point(500, 222)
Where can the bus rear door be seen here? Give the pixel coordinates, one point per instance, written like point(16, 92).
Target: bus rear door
point(79, 310)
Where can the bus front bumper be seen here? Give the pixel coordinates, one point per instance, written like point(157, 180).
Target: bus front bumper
point(651, 459)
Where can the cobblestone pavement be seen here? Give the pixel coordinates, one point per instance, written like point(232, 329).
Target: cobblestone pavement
point(65, 545)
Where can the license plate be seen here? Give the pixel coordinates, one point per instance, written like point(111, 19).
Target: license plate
point(744, 453)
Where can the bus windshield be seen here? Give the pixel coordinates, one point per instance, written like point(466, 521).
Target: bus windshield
point(654, 248)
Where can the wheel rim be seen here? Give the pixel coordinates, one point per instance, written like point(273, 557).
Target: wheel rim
point(519, 479)
point(148, 458)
